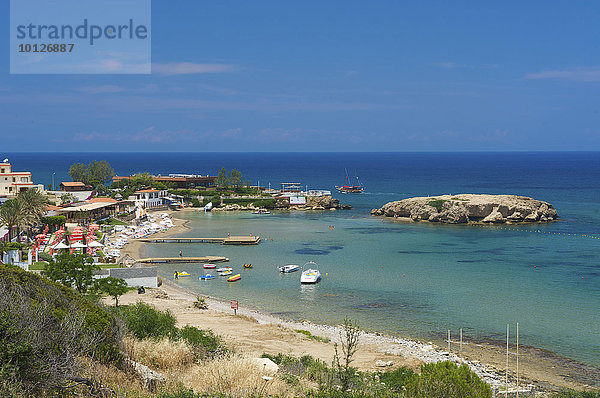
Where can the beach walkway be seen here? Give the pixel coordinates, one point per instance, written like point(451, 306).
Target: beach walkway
point(230, 240)
point(206, 259)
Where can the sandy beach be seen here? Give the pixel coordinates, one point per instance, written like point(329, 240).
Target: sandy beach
point(255, 332)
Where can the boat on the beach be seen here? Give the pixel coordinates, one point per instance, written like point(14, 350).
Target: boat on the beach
point(182, 273)
point(206, 277)
point(288, 268)
point(209, 266)
point(225, 273)
point(261, 211)
point(349, 187)
point(311, 273)
point(223, 269)
point(247, 266)
point(208, 207)
point(234, 278)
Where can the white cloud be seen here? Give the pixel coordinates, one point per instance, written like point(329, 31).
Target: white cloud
point(580, 74)
point(190, 68)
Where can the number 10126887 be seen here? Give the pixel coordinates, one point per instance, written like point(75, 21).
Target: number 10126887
point(46, 48)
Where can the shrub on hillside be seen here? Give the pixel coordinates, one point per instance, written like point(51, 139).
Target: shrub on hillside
point(144, 321)
point(44, 327)
point(396, 379)
point(447, 380)
point(204, 343)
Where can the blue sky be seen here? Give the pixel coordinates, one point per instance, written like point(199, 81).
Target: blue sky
point(329, 76)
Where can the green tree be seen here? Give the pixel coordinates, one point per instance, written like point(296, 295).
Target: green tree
point(99, 172)
point(12, 216)
point(73, 270)
point(222, 179)
point(114, 287)
point(235, 178)
point(78, 172)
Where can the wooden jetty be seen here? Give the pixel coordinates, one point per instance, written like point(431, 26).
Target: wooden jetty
point(230, 240)
point(206, 259)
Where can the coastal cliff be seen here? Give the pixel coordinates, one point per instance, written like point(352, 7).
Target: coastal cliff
point(470, 208)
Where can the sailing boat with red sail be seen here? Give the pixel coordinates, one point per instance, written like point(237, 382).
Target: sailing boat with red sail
point(349, 187)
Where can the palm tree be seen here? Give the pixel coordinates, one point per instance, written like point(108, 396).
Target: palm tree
point(33, 204)
point(12, 215)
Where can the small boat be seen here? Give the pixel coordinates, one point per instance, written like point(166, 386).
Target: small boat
point(225, 273)
point(311, 273)
point(288, 268)
point(261, 211)
point(206, 277)
point(349, 187)
point(182, 273)
point(247, 265)
point(208, 207)
point(223, 269)
point(234, 278)
point(209, 266)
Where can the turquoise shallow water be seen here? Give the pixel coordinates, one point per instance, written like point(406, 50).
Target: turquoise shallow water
point(410, 279)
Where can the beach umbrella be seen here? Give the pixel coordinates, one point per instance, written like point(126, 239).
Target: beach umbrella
point(59, 246)
point(95, 244)
point(78, 245)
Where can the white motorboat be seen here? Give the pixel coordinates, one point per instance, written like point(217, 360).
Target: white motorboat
point(223, 269)
point(311, 273)
point(288, 268)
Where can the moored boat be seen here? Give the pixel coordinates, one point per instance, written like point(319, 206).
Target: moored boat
point(261, 211)
point(209, 266)
point(247, 265)
point(234, 278)
point(349, 187)
point(182, 273)
point(288, 268)
point(206, 277)
point(226, 272)
point(223, 269)
point(311, 273)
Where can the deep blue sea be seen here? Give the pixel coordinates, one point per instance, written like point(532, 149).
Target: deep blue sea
point(409, 279)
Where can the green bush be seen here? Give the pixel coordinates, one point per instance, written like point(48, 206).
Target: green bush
point(144, 321)
point(396, 379)
point(447, 380)
point(437, 203)
point(44, 256)
point(266, 203)
point(195, 202)
point(203, 342)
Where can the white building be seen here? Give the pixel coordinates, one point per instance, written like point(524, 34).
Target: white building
point(149, 198)
point(13, 182)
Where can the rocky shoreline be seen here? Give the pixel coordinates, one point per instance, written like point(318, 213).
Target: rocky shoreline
point(325, 202)
point(470, 209)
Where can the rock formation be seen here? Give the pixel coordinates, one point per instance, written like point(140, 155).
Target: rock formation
point(470, 208)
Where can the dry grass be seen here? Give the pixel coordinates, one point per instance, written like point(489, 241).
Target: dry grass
point(110, 379)
point(235, 375)
point(159, 354)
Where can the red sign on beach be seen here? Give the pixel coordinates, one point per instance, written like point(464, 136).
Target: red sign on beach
point(234, 304)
